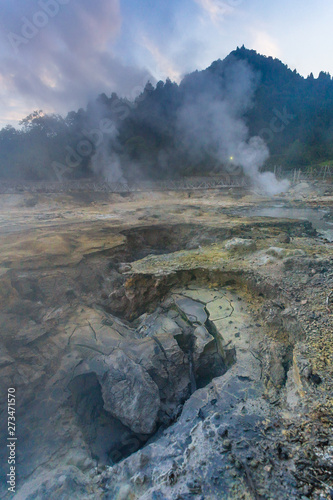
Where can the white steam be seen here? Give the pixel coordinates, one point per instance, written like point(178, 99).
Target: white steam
point(251, 156)
point(107, 165)
point(106, 162)
point(211, 124)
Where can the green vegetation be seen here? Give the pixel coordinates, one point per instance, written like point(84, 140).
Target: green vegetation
point(294, 115)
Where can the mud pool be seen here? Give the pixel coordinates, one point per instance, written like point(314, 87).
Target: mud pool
point(319, 218)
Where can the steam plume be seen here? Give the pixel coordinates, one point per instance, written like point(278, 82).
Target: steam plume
point(212, 123)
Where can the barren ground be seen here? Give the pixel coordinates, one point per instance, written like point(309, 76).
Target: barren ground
point(167, 345)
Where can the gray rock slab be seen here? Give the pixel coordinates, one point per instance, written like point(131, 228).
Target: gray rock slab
point(194, 311)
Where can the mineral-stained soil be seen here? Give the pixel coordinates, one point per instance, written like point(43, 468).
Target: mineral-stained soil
point(167, 346)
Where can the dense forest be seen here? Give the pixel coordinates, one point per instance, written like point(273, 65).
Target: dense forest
point(173, 130)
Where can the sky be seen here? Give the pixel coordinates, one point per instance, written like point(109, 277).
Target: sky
point(55, 55)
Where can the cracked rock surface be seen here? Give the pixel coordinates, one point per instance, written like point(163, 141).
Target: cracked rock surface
point(166, 352)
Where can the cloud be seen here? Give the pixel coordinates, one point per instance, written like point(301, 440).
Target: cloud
point(59, 53)
point(216, 9)
point(162, 64)
point(265, 44)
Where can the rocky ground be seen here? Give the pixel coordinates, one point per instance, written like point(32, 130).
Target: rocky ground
point(168, 346)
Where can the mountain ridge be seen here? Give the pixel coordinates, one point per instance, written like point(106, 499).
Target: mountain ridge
point(292, 114)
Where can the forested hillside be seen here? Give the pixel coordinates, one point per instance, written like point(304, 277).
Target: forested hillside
point(173, 130)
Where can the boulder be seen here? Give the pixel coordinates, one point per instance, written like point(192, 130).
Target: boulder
point(203, 342)
point(130, 394)
point(157, 324)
